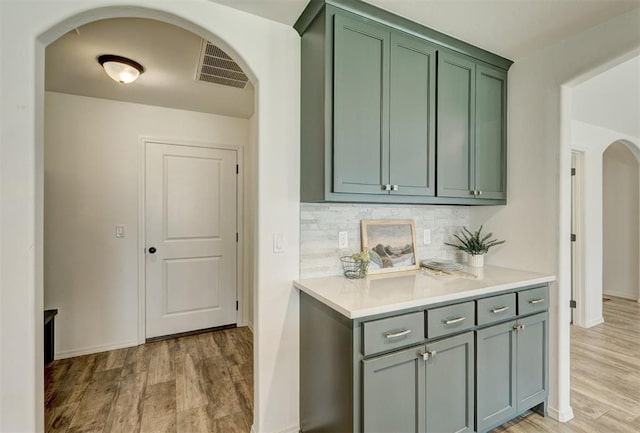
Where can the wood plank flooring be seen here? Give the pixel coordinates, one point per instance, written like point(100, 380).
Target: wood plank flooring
point(204, 383)
point(605, 377)
point(200, 383)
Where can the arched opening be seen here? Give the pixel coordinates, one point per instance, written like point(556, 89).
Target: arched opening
point(109, 149)
point(620, 221)
point(269, 53)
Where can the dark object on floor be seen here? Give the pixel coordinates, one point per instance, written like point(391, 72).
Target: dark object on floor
point(606, 299)
point(49, 320)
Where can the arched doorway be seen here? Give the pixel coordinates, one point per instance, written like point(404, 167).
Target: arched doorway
point(620, 221)
point(269, 52)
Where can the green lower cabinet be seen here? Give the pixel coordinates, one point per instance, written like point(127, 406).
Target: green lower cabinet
point(449, 385)
point(495, 382)
point(533, 361)
point(393, 392)
point(422, 389)
point(511, 370)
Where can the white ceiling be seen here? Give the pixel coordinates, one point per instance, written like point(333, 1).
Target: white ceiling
point(612, 99)
point(169, 54)
point(511, 28)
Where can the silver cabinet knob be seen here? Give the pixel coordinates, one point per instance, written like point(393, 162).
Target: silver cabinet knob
point(394, 187)
point(386, 187)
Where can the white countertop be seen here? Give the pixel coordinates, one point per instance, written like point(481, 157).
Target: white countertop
point(384, 293)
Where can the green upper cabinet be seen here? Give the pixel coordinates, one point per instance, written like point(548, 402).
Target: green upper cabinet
point(472, 115)
point(456, 125)
point(412, 111)
point(383, 110)
point(360, 106)
point(491, 132)
point(369, 86)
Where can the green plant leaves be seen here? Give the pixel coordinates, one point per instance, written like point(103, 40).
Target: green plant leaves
point(473, 243)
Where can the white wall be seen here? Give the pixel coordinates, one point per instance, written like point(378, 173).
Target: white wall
point(91, 185)
point(270, 53)
point(611, 99)
point(620, 222)
point(535, 221)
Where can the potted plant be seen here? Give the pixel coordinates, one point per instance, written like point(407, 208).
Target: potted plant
point(475, 245)
point(356, 265)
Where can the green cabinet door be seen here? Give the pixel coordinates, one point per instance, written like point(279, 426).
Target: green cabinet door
point(491, 132)
point(449, 394)
point(532, 381)
point(360, 106)
point(393, 393)
point(495, 378)
point(456, 125)
point(412, 116)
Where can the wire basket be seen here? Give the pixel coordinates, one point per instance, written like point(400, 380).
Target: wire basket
point(354, 268)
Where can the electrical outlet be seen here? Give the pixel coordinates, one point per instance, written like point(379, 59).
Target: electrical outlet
point(427, 237)
point(343, 240)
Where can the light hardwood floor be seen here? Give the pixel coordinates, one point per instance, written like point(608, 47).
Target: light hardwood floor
point(204, 383)
point(201, 383)
point(605, 377)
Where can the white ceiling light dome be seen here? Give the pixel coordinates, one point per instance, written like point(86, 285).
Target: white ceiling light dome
point(121, 69)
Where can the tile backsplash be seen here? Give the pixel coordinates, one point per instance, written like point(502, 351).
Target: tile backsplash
point(320, 224)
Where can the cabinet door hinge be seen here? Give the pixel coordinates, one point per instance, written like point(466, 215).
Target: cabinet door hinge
point(237, 305)
point(572, 304)
point(573, 237)
point(573, 172)
point(237, 169)
point(237, 237)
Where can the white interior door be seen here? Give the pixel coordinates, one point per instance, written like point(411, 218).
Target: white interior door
point(190, 238)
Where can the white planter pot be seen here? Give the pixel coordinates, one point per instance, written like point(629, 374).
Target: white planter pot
point(476, 261)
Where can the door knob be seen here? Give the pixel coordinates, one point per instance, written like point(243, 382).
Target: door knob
point(152, 250)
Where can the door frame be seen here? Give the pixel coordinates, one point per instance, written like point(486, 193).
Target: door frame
point(241, 320)
point(578, 248)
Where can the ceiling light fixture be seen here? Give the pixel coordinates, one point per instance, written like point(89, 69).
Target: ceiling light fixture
point(121, 69)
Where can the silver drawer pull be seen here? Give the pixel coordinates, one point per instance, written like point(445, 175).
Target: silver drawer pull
point(386, 187)
point(536, 301)
point(456, 320)
point(499, 309)
point(518, 327)
point(397, 334)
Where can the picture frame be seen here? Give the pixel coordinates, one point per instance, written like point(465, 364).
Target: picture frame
point(391, 243)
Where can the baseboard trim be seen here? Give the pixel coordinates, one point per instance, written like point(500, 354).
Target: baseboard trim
point(596, 322)
point(94, 349)
point(250, 326)
point(561, 415)
point(622, 295)
point(292, 429)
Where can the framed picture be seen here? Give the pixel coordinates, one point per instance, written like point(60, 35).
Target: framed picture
point(392, 245)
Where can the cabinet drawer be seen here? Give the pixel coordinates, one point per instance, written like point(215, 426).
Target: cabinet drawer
point(450, 319)
point(496, 308)
point(533, 300)
point(392, 332)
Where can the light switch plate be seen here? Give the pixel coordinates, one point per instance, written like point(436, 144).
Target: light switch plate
point(119, 231)
point(278, 243)
point(427, 237)
point(343, 240)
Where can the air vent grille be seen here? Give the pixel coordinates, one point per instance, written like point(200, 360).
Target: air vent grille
point(217, 67)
